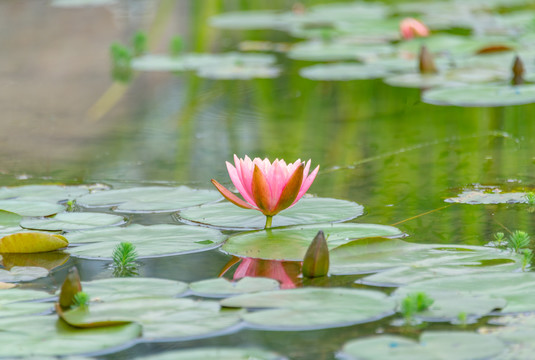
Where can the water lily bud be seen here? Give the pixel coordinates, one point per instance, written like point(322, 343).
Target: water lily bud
point(71, 286)
point(316, 262)
point(518, 71)
point(411, 28)
point(426, 63)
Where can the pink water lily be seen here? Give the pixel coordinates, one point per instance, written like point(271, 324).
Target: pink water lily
point(410, 28)
point(265, 186)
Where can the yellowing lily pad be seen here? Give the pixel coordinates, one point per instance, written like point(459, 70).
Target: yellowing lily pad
point(221, 287)
point(69, 221)
point(149, 199)
point(31, 242)
point(150, 241)
point(311, 308)
point(307, 211)
point(292, 243)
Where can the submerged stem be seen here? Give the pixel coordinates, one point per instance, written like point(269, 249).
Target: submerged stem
point(269, 218)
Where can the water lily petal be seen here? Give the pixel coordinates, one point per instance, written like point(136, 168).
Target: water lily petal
point(262, 192)
point(237, 181)
point(231, 197)
point(306, 184)
point(291, 190)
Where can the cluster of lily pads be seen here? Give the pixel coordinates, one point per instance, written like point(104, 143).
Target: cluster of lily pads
point(462, 283)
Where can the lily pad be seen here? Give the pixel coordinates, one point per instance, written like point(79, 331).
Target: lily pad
point(461, 345)
point(250, 20)
point(215, 353)
point(417, 80)
point(150, 241)
point(333, 51)
point(48, 260)
point(397, 262)
point(312, 308)
point(22, 273)
point(31, 208)
point(516, 288)
point(31, 242)
point(307, 211)
point(69, 221)
point(518, 331)
point(82, 3)
point(48, 335)
point(239, 72)
point(292, 243)
point(149, 199)
point(221, 287)
point(343, 72)
point(49, 193)
point(24, 308)
point(9, 220)
point(131, 288)
point(160, 318)
point(481, 95)
point(14, 295)
point(475, 197)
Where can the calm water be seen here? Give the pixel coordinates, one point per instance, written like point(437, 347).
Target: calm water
point(64, 121)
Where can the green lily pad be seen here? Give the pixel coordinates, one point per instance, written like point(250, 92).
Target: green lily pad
point(49, 193)
point(9, 220)
point(343, 72)
point(215, 353)
point(518, 289)
point(333, 51)
point(397, 262)
point(312, 308)
point(221, 287)
point(368, 30)
point(239, 72)
point(436, 345)
point(292, 243)
point(156, 62)
point(69, 221)
point(150, 241)
point(22, 273)
point(307, 211)
point(131, 288)
point(518, 331)
point(13, 295)
point(250, 20)
point(475, 197)
point(160, 318)
point(31, 208)
point(48, 335)
point(81, 3)
point(417, 80)
point(448, 305)
point(149, 199)
point(481, 95)
point(24, 308)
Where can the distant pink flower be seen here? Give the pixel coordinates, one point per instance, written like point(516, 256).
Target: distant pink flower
point(265, 186)
point(410, 28)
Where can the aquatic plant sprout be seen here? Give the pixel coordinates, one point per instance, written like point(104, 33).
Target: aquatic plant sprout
point(267, 187)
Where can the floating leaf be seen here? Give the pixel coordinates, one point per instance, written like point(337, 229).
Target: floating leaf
point(417, 80)
point(215, 353)
point(518, 331)
point(48, 260)
point(48, 335)
point(81, 3)
point(150, 241)
point(307, 211)
point(481, 95)
point(31, 242)
point(4, 285)
point(292, 243)
point(250, 20)
point(131, 288)
point(160, 318)
point(221, 287)
point(48, 193)
point(475, 197)
point(14, 295)
point(69, 221)
point(22, 273)
point(24, 308)
point(325, 51)
point(149, 199)
point(312, 308)
point(9, 220)
point(516, 288)
point(343, 72)
point(433, 345)
point(239, 72)
point(31, 208)
point(398, 262)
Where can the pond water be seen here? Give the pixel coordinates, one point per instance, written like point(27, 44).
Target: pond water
point(65, 121)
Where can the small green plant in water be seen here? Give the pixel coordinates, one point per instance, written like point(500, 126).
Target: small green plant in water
point(71, 205)
point(139, 43)
point(462, 318)
point(125, 260)
point(121, 59)
point(518, 240)
point(414, 303)
point(176, 45)
point(81, 299)
point(530, 198)
point(527, 256)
